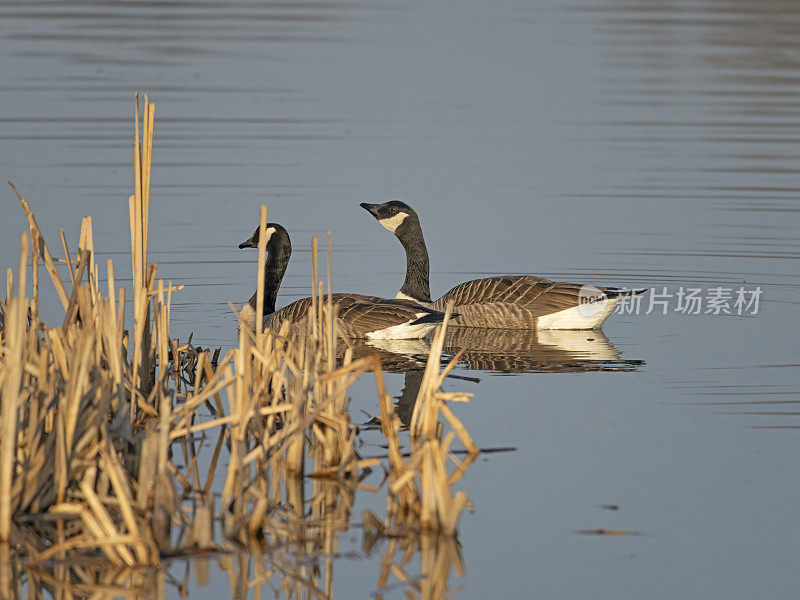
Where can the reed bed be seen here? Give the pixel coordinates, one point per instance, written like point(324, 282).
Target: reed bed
point(114, 435)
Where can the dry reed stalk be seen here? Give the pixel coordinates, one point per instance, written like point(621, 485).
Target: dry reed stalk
point(331, 320)
point(6, 571)
point(45, 252)
point(35, 275)
point(13, 362)
point(9, 284)
point(86, 244)
point(262, 248)
point(139, 211)
point(314, 292)
point(67, 258)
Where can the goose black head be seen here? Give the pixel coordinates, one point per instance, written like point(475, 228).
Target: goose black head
point(273, 231)
point(393, 215)
point(399, 218)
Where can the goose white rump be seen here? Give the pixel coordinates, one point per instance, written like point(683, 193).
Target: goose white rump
point(583, 316)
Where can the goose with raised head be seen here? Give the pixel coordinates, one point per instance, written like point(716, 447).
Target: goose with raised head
point(502, 301)
point(359, 316)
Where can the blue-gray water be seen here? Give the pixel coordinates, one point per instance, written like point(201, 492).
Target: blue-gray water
point(609, 142)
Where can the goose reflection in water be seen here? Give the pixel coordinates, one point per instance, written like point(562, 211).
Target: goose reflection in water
point(496, 351)
point(397, 356)
point(504, 351)
point(531, 351)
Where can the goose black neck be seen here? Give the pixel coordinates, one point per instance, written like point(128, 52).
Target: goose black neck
point(417, 284)
point(279, 250)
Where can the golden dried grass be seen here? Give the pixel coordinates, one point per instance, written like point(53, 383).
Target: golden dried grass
point(102, 430)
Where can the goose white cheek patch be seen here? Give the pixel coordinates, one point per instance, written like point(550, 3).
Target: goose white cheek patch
point(269, 232)
point(392, 223)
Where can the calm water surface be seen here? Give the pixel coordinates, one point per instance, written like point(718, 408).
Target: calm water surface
point(612, 142)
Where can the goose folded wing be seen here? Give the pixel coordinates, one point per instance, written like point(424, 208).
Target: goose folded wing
point(533, 295)
point(369, 313)
point(520, 289)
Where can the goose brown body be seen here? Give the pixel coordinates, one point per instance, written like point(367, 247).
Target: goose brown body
point(358, 315)
point(509, 301)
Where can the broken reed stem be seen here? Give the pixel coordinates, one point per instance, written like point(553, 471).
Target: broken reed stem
point(331, 316)
point(35, 275)
point(67, 257)
point(48, 259)
point(262, 248)
point(314, 297)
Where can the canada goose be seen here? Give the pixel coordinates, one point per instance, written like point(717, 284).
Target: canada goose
point(502, 301)
point(359, 316)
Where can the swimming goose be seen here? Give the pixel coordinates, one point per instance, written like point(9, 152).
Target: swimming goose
point(359, 316)
point(502, 301)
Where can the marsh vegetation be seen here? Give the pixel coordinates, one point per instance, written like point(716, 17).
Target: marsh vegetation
point(124, 448)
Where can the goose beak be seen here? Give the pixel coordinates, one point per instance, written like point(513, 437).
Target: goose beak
point(372, 208)
point(248, 244)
